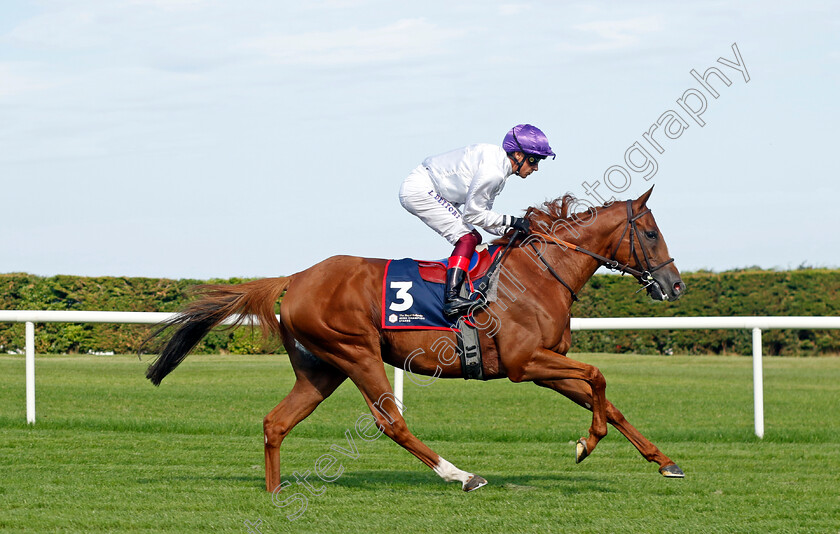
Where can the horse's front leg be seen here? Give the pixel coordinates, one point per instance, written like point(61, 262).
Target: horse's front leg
point(545, 365)
point(580, 393)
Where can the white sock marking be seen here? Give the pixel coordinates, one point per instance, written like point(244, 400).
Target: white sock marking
point(450, 473)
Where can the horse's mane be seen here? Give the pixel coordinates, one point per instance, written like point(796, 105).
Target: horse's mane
point(542, 217)
point(551, 210)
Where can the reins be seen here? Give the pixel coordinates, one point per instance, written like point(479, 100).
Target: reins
point(551, 269)
point(644, 277)
point(606, 262)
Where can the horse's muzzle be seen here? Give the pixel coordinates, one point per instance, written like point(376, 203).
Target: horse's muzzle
point(678, 289)
point(665, 288)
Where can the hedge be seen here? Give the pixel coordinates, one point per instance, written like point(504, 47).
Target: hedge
point(30, 292)
point(808, 292)
point(744, 292)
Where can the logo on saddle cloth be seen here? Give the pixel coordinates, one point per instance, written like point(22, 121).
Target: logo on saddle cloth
point(412, 291)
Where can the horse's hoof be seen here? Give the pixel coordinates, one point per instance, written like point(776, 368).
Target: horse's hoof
point(474, 483)
point(580, 451)
point(671, 471)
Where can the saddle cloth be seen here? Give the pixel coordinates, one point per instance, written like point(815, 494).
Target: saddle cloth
point(412, 291)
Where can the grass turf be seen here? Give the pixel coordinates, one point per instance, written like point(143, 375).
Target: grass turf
point(111, 453)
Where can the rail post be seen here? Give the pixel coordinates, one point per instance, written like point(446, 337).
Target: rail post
point(30, 372)
point(758, 383)
point(398, 387)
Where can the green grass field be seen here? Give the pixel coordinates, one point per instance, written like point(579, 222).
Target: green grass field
point(112, 453)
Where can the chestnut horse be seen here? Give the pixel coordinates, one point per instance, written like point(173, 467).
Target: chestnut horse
point(330, 322)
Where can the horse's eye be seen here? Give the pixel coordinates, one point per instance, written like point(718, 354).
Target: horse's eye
point(651, 234)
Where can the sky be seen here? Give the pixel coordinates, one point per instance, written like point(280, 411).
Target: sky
point(214, 139)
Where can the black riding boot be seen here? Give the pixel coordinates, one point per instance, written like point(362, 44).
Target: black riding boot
point(454, 305)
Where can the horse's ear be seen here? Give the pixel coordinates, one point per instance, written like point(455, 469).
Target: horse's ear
point(642, 200)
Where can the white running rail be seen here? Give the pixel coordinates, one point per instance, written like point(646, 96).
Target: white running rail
point(754, 323)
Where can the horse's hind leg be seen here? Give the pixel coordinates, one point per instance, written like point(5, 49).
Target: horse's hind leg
point(580, 393)
point(374, 386)
point(315, 382)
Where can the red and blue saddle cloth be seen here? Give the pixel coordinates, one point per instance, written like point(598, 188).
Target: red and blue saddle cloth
point(412, 291)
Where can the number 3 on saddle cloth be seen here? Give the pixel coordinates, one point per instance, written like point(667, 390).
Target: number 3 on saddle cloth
point(412, 291)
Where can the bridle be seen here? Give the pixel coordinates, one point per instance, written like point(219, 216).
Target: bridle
point(645, 277)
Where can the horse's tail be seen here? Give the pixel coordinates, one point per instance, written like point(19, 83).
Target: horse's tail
point(217, 303)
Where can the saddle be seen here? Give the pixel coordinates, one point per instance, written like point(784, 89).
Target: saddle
point(435, 271)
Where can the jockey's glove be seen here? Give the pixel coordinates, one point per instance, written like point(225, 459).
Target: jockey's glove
point(521, 224)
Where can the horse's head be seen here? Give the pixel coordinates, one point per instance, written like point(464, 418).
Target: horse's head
point(642, 247)
point(623, 237)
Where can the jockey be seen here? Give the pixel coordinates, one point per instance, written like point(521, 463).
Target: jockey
point(454, 192)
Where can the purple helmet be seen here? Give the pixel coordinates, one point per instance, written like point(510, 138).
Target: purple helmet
point(527, 139)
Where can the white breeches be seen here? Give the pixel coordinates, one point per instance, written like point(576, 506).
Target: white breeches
point(419, 197)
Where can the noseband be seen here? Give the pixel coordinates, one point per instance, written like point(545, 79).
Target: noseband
point(644, 277)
